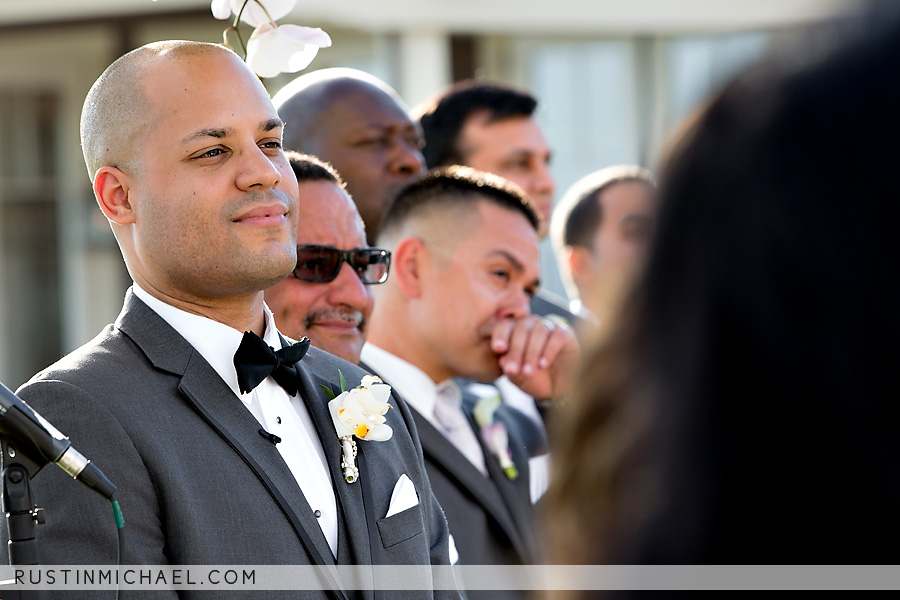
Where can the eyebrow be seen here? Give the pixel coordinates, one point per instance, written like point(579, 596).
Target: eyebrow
point(270, 124)
point(221, 132)
point(527, 152)
point(517, 265)
point(639, 219)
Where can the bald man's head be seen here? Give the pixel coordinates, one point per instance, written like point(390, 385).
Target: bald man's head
point(117, 113)
point(358, 124)
point(307, 97)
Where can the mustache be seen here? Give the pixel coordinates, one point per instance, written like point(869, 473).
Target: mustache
point(351, 316)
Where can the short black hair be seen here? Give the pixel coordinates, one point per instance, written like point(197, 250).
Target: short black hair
point(310, 168)
point(442, 117)
point(456, 185)
point(578, 214)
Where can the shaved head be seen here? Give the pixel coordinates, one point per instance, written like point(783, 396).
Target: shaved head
point(117, 113)
point(360, 125)
point(302, 102)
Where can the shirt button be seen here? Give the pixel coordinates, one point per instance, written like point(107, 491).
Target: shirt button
point(318, 513)
point(278, 420)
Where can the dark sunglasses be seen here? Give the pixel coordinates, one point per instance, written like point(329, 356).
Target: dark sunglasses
point(322, 264)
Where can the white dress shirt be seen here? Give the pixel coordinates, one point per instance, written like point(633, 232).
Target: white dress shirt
point(277, 413)
point(421, 393)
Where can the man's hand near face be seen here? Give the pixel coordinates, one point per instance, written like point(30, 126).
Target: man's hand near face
point(538, 355)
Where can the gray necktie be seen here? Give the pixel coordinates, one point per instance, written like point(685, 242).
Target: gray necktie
point(454, 424)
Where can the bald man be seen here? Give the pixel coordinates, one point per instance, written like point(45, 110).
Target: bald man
point(360, 125)
point(223, 449)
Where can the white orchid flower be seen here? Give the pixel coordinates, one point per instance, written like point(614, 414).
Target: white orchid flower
point(253, 12)
point(221, 9)
point(371, 412)
point(380, 390)
point(358, 412)
point(274, 49)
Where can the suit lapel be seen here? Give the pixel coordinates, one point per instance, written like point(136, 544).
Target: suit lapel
point(354, 544)
point(440, 451)
point(226, 415)
point(515, 494)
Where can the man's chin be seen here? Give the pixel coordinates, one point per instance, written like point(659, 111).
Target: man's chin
point(346, 347)
point(485, 373)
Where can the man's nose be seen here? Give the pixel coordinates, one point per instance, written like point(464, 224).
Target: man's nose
point(542, 180)
point(516, 306)
point(348, 289)
point(257, 171)
point(406, 159)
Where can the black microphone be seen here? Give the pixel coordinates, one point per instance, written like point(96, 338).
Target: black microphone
point(40, 442)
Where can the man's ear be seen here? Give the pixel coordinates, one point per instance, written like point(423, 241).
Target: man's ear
point(111, 188)
point(407, 262)
point(581, 264)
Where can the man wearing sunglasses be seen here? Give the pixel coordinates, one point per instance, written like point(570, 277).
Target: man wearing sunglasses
point(327, 297)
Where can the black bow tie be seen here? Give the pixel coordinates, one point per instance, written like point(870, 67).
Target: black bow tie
point(255, 360)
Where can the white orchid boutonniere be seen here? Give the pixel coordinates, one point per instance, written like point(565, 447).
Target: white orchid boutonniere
point(494, 433)
point(272, 48)
point(359, 412)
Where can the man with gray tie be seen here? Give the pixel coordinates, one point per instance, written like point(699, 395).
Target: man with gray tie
point(464, 266)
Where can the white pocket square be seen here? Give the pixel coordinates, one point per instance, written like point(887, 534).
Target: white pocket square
point(403, 497)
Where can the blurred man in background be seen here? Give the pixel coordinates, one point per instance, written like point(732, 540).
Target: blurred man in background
point(601, 231)
point(360, 125)
point(491, 127)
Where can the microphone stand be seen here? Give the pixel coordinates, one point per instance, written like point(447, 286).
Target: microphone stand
point(21, 517)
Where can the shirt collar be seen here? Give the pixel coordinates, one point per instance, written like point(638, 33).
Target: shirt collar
point(410, 381)
point(216, 342)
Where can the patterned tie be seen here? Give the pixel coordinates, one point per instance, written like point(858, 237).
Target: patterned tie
point(255, 360)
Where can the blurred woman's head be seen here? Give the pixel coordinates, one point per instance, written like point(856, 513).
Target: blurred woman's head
point(747, 410)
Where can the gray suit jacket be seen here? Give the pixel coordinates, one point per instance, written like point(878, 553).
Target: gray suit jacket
point(490, 518)
point(197, 482)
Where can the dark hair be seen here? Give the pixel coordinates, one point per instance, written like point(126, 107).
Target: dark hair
point(442, 118)
point(746, 412)
point(310, 168)
point(578, 214)
point(453, 186)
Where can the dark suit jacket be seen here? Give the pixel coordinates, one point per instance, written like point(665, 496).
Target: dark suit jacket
point(196, 481)
point(490, 518)
point(544, 303)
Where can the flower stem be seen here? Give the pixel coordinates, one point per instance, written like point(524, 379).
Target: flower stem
point(268, 16)
point(237, 22)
